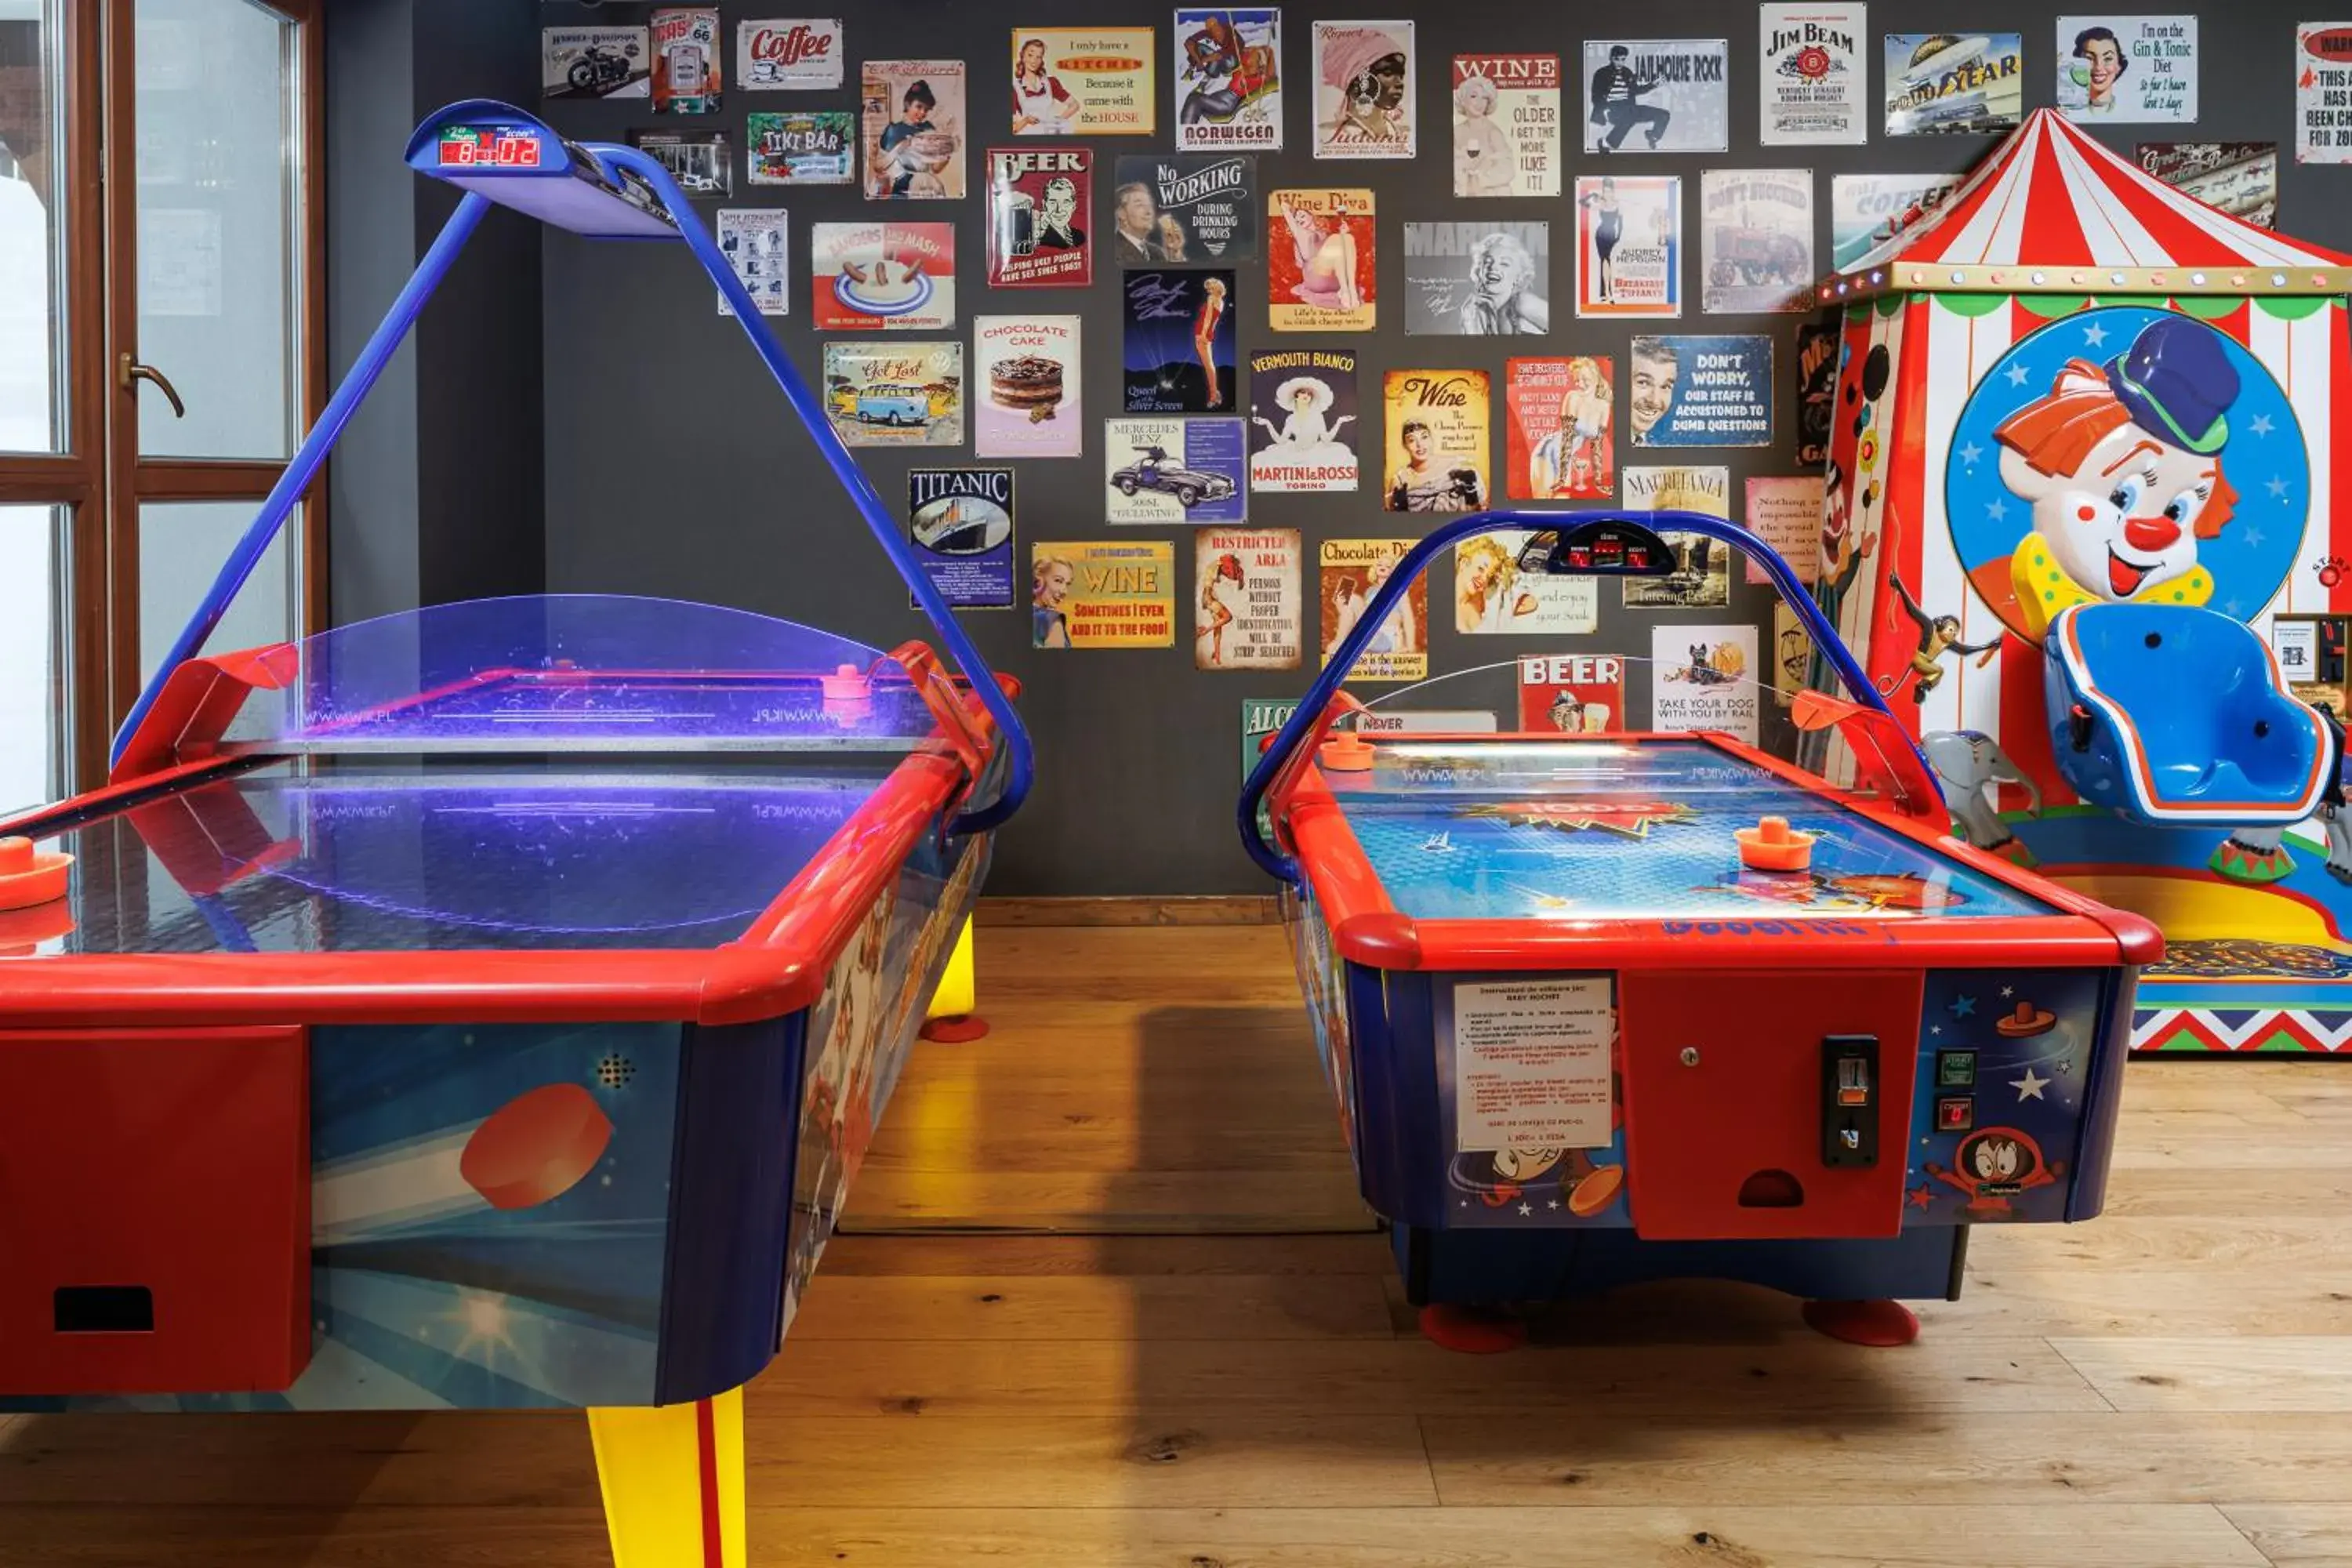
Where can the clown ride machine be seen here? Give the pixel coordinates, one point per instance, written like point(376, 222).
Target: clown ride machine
point(2085, 526)
point(1604, 1007)
point(485, 1007)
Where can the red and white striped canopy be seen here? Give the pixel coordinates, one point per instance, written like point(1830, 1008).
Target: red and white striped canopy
point(2051, 198)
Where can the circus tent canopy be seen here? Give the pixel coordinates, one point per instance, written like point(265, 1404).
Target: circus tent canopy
point(2053, 211)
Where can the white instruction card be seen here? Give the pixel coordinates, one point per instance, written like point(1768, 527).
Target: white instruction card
point(1531, 1064)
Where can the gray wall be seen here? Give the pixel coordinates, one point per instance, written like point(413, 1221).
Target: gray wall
point(672, 467)
point(436, 491)
point(371, 247)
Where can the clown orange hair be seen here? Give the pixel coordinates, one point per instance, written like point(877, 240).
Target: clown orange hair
point(2056, 432)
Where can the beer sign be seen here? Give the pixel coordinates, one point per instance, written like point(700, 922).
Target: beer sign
point(1038, 203)
point(1576, 693)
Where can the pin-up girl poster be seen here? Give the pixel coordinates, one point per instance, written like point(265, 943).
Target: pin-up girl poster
point(1319, 262)
point(2127, 454)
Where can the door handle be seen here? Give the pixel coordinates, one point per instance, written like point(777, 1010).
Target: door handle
point(128, 373)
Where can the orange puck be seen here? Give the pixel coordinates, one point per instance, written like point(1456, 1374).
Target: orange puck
point(1596, 1191)
point(1772, 846)
point(847, 683)
point(536, 1147)
point(22, 932)
point(28, 877)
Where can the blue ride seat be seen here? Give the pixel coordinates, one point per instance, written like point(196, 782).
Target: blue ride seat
point(2174, 713)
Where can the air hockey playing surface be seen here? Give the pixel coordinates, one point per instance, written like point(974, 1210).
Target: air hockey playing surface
point(321, 855)
point(1539, 829)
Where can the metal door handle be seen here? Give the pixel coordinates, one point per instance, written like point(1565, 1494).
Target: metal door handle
point(128, 373)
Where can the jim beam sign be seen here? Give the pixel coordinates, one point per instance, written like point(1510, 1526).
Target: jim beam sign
point(1815, 76)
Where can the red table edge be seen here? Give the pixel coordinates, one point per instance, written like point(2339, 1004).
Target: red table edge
point(1367, 927)
point(778, 966)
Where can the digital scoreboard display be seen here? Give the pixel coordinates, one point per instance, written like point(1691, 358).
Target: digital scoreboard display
point(502, 154)
point(489, 147)
point(1615, 549)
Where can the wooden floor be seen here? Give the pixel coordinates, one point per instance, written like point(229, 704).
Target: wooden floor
point(1138, 1079)
point(2169, 1386)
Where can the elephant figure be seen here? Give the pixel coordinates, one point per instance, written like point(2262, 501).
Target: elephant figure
point(2336, 813)
point(1966, 763)
point(2337, 822)
point(2260, 854)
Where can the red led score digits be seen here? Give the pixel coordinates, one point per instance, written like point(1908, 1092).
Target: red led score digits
point(500, 149)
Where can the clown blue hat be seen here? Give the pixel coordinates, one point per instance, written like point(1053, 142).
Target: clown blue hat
point(2178, 385)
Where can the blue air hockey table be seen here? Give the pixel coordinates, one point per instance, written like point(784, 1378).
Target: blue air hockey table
point(486, 1008)
point(1579, 1041)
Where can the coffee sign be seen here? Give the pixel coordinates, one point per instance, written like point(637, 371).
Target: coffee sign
point(792, 52)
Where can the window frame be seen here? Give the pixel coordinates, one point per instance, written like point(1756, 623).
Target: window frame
point(98, 476)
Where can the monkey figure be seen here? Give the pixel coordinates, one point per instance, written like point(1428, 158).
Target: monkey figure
point(1938, 634)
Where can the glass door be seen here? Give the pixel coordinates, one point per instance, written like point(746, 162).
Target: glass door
point(35, 654)
point(216, 337)
point(162, 338)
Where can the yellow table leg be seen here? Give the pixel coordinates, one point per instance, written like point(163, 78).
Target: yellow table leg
point(673, 1482)
point(959, 989)
point(950, 1019)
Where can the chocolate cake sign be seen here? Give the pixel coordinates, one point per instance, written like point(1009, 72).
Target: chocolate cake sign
point(1028, 373)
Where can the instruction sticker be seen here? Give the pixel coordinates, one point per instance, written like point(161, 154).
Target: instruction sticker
point(1531, 1066)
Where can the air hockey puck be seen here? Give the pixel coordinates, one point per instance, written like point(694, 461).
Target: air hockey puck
point(536, 1147)
point(28, 877)
point(1597, 1191)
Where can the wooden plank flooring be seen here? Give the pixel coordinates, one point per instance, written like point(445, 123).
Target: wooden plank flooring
point(2167, 1387)
point(1154, 1078)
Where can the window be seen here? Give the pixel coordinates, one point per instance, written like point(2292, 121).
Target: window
point(162, 343)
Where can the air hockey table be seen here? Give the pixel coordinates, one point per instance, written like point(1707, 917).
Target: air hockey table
point(490, 1006)
point(1577, 1042)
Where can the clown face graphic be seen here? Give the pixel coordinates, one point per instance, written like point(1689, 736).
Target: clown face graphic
point(2120, 454)
point(2122, 466)
point(2126, 514)
point(1837, 516)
